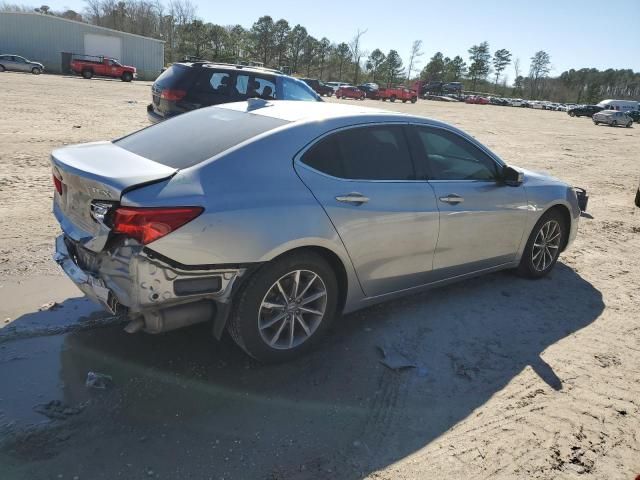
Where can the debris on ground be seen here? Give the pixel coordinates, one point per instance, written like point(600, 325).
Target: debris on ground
point(49, 306)
point(99, 381)
point(58, 410)
point(394, 359)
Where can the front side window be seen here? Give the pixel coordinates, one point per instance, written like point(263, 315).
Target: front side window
point(364, 153)
point(448, 156)
point(295, 90)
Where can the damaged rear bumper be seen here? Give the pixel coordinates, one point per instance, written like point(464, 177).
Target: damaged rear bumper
point(128, 279)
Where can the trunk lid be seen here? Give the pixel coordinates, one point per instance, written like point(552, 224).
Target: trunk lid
point(94, 176)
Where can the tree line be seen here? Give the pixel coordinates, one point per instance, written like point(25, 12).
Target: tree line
point(279, 44)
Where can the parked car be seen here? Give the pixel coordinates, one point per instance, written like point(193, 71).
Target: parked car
point(371, 90)
point(89, 66)
point(516, 102)
point(638, 196)
point(584, 111)
point(452, 87)
point(17, 63)
point(270, 225)
point(612, 118)
point(319, 87)
point(186, 86)
point(398, 93)
point(477, 99)
point(634, 114)
point(350, 92)
point(336, 85)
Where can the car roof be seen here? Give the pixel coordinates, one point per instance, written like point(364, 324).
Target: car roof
point(299, 112)
point(232, 66)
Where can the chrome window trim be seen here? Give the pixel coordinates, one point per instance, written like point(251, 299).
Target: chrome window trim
point(297, 159)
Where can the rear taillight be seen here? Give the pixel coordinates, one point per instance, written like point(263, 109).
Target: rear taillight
point(173, 95)
point(149, 224)
point(58, 184)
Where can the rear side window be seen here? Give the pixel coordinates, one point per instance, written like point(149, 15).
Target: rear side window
point(193, 137)
point(213, 82)
point(365, 153)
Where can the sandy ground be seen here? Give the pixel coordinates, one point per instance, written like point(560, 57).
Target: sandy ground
point(515, 379)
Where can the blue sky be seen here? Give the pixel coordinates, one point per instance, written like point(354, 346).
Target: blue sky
point(566, 29)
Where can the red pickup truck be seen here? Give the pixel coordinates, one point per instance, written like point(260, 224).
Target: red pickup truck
point(89, 66)
point(398, 93)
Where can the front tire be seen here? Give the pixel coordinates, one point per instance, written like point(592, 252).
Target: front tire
point(127, 77)
point(543, 247)
point(572, 114)
point(285, 308)
point(87, 74)
point(36, 71)
point(2, 69)
point(393, 98)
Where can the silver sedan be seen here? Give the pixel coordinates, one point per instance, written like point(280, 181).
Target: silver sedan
point(20, 64)
point(269, 219)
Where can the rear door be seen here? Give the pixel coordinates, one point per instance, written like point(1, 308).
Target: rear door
point(365, 180)
point(482, 220)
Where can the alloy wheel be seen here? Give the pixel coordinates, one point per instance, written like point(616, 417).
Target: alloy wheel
point(292, 309)
point(546, 245)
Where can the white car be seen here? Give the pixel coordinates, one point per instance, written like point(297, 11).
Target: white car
point(337, 85)
point(538, 105)
point(516, 102)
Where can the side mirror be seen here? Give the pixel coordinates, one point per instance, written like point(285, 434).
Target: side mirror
point(511, 176)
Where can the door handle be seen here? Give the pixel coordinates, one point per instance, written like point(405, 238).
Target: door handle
point(452, 199)
point(353, 198)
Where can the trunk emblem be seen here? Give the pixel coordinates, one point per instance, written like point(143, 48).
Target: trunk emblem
point(100, 191)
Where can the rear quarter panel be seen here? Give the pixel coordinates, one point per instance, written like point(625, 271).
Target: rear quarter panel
point(256, 207)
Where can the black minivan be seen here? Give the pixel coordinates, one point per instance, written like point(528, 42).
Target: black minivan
point(187, 86)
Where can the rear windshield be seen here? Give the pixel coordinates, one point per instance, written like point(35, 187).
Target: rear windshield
point(176, 76)
point(192, 137)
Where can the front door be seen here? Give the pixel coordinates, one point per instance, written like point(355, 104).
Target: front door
point(388, 221)
point(482, 220)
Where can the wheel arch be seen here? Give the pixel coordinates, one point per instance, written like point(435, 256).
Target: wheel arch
point(564, 211)
point(336, 263)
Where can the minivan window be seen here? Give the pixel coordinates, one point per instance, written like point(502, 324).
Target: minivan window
point(364, 153)
point(203, 133)
point(448, 156)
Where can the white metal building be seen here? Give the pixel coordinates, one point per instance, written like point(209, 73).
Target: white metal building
point(49, 40)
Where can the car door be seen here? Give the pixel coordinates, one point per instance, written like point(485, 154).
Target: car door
point(21, 64)
point(482, 220)
point(365, 180)
point(10, 63)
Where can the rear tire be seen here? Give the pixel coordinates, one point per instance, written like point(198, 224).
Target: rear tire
point(254, 323)
point(572, 114)
point(393, 98)
point(596, 122)
point(36, 71)
point(543, 247)
point(2, 69)
point(638, 198)
point(614, 123)
point(87, 74)
point(628, 125)
point(414, 100)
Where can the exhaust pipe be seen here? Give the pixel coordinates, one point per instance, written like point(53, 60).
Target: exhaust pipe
point(172, 318)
